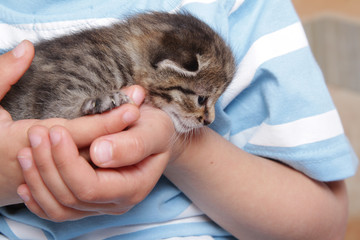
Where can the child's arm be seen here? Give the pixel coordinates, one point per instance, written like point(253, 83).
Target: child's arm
point(256, 198)
point(252, 197)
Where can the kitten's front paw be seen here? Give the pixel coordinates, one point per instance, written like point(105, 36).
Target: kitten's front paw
point(103, 103)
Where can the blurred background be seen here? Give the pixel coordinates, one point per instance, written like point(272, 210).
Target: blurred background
point(333, 30)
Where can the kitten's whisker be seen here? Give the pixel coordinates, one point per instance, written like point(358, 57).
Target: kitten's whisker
point(174, 138)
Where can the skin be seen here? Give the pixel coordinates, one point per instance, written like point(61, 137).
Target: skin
point(251, 197)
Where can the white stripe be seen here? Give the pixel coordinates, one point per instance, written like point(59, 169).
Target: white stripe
point(191, 211)
point(13, 34)
point(300, 132)
point(242, 138)
point(237, 4)
point(2, 237)
point(23, 231)
point(227, 135)
point(117, 231)
point(265, 48)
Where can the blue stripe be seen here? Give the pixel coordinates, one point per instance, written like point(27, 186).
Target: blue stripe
point(297, 86)
point(43, 11)
point(247, 110)
point(180, 230)
point(251, 21)
point(213, 14)
point(222, 122)
point(327, 160)
point(290, 84)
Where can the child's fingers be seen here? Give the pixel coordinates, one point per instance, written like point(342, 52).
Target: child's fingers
point(136, 93)
point(124, 187)
point(94, 190)
point(150, 135)
point(55, 214)
point(31, 175)
point(86, 129)
point(25, 194)
point(13, 65)
point(38, 198)
point(77, 173)
point(43, 160)
point(43, 156)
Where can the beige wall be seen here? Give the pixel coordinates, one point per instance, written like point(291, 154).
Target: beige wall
point(310, 8)
point(333, 29)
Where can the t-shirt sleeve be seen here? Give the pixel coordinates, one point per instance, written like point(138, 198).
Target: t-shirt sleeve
point(278, 105)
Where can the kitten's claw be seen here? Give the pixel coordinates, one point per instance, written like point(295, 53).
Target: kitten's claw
point(104, 103)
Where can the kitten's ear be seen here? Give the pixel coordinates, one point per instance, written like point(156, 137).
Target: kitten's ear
point(189, 66)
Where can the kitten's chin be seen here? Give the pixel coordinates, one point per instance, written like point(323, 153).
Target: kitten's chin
point(185, 129)
point(184, 125)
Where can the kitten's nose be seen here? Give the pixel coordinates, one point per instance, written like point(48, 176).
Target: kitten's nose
point(208, 117)
point(206, 122)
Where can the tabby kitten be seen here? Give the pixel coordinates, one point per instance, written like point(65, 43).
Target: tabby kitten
point(180, 61)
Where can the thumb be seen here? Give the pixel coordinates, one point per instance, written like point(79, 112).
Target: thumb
point(13, 65)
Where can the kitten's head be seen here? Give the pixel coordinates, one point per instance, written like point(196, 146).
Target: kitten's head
point(190, 68)
point(188, 95)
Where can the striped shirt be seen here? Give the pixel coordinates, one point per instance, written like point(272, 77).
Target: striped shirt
point(277, 107)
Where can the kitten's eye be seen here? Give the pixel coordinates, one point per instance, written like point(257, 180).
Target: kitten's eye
point(202, 100)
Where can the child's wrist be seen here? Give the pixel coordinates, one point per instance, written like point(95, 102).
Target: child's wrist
point(188, 147)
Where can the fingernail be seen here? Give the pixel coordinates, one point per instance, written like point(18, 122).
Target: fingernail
point(35, 140)
point(55, 136)
point(24, 196)
point(137, 96)
point(25, 162)
point(19, 51)
point(103, 152)
point(129, 117)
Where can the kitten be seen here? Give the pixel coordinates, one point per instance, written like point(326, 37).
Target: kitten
point(180, 61)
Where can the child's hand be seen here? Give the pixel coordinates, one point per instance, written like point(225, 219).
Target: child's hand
point(12, 66)
point(13, 135)
point(61, 185)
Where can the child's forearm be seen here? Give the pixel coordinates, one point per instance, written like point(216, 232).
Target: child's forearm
point(255, 198)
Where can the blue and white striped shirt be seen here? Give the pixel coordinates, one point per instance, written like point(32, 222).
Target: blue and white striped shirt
point(277, 106)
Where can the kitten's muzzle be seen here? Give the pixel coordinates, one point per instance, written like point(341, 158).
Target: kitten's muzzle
point(207, 122)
